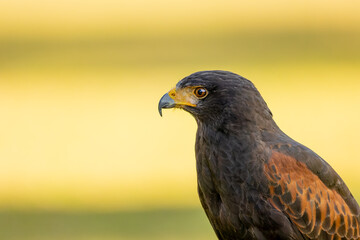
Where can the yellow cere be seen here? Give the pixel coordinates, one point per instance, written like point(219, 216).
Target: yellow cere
point(184, 97)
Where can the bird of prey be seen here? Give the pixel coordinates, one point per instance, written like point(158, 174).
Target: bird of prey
point(254, 181)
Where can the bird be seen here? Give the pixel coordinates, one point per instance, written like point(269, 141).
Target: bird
point(253, 180)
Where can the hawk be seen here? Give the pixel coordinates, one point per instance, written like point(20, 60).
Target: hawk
point(254, 181)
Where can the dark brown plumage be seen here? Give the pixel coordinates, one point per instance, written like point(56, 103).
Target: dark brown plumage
point(254, 181)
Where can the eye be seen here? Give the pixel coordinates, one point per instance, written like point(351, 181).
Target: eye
point(200, 92)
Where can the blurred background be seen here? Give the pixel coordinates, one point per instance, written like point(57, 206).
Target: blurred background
point(84, 153)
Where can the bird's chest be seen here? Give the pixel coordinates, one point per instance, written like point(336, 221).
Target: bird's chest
point(231, 171)
point(230, 187)
point(227, 186)
point(228, 202)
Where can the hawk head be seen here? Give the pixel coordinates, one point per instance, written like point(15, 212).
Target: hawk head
point(215, 97)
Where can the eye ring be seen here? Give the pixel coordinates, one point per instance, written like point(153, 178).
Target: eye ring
point(200, 92)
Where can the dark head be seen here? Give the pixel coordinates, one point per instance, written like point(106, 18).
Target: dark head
point(217, 98)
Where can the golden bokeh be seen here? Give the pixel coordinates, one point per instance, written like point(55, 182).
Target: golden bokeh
point(80, 82)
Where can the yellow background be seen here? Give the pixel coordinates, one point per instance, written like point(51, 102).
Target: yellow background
point(80, 83)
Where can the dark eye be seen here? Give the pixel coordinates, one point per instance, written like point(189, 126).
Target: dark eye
point(200, 92)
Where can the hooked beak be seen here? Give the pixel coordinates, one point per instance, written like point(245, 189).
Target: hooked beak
point(179, 98)
point(166, 102)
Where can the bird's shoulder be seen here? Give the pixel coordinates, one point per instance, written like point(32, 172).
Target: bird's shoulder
point(309, 191)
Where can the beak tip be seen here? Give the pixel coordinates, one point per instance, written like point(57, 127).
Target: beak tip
point(165, 102)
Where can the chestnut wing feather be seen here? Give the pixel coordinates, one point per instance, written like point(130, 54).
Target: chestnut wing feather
point(317, 211)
